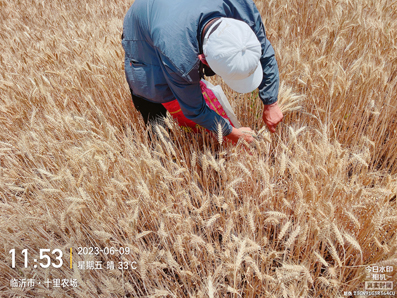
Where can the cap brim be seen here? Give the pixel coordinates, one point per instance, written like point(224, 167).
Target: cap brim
point(248, 84)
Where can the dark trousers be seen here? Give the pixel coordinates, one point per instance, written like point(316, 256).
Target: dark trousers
point(151, 112)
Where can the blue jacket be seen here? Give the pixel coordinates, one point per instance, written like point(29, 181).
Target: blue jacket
point(161, 40)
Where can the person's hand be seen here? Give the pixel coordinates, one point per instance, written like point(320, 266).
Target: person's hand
point(272, 116)
point(243, 132)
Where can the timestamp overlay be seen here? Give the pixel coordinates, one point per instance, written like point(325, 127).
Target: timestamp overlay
point(379, 282)
point(79, 258)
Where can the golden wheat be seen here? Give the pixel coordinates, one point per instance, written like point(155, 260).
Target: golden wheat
point(301, 213)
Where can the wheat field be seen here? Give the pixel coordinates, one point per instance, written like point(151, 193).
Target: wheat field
point(302, 213)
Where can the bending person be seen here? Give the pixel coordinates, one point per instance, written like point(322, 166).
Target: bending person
point(170, 44)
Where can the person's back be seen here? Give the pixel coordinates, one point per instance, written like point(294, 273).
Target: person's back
point(168, 32)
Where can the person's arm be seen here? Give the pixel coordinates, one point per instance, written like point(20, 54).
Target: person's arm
point(268, 89)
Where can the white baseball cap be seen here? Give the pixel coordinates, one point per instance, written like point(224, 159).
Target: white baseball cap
point(233, 51)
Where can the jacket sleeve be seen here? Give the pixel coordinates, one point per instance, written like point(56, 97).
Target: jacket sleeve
point(192, 103)
point(268, 89)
